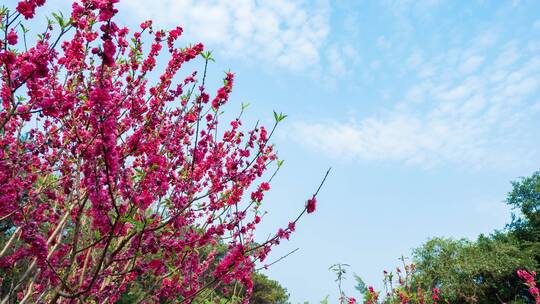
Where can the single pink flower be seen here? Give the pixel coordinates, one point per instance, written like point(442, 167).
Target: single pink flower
point(12, 38)
point(311, 205)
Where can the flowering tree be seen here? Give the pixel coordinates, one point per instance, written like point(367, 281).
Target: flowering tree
point(399, 288)
point(530, 282)
point(108, 179)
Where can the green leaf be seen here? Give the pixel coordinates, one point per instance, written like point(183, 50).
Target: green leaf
point(59, 19)
point(139, 225)
point(360, 284)
point(208, 56)
point(325, 300)
point(25, 30)
point(279, 117)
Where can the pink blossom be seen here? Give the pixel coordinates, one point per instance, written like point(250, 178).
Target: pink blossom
point(126, 177)
point(311, 205)
point(12, 38)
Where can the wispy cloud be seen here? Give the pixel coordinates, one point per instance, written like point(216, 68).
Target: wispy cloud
point(341, 59)
point(467, 106)
point(281, 32)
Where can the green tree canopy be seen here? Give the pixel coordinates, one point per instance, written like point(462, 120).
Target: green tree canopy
point(484, 271)
point(481, 271)
point(525, 199)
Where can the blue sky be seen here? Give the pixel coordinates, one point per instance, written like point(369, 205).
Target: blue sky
point(424, 109)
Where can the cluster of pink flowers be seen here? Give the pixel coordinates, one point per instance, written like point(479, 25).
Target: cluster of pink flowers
point(529, 278)
point(106, 177)
point(28, 7)
point(435, 294)
point(371, 296)
point(399, 289)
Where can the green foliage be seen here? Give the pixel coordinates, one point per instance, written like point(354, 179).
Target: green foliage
point(267, 291)
point(360, 286)
point(473, 272)
point(525, 198)
point(484, 271)
point(208, 56)
point(340, 272)
point(325, 300)
point(279, 117)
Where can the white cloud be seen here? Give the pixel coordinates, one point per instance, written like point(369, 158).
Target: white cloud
point(341, 59)
point(287, 33)
point(470, 64)
point(336, 62)
point(469, 110)
point(415, 59)
point(509, 56)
